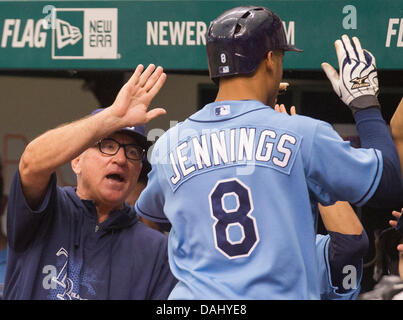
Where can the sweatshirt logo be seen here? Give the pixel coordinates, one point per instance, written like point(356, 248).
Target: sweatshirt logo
point(59, 280)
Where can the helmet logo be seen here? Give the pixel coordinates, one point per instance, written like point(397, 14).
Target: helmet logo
point(223, 60)
point(223, 69)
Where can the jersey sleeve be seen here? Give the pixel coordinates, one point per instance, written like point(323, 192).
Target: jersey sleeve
point(327, 290)
point(150, 204)
point(337, 171)
point(22, 221)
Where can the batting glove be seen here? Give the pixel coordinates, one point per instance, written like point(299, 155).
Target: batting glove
point(357, 84)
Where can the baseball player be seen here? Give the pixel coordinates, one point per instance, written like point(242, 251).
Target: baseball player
point(237, 179)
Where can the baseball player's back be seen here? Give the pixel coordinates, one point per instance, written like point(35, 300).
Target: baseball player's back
point(236, 181)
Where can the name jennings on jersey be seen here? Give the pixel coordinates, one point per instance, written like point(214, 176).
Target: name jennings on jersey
point(269, 147)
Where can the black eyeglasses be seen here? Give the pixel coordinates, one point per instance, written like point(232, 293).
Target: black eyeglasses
point(111, 147)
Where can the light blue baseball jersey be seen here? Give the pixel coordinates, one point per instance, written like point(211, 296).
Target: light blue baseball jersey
point(236, 181)
point(352, 279)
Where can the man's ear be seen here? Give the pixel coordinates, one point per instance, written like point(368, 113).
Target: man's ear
point(270, 60)
point(76, 165)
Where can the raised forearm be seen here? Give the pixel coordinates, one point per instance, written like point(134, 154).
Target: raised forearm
point(62, 144)
point(58, 146)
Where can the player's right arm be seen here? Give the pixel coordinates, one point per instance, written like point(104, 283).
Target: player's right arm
point(60, 145)
point(357, 86)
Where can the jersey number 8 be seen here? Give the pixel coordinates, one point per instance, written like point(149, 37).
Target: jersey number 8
point(240, 216)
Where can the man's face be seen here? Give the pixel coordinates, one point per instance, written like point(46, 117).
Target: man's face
point(106, 179)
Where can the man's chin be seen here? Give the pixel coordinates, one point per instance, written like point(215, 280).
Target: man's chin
point(115, 198)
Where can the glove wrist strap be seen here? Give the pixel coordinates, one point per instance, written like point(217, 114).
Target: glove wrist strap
point(364, 102)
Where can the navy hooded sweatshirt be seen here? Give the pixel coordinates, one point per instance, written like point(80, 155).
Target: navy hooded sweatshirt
point(59, 251)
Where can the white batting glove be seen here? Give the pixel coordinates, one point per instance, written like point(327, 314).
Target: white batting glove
point(357, 84)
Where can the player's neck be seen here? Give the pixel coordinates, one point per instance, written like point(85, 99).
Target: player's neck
point(241, 88)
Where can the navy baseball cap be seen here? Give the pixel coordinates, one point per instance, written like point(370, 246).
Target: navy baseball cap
point(139, 132)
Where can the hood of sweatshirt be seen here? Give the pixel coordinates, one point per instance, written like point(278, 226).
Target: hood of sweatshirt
point(118, 219)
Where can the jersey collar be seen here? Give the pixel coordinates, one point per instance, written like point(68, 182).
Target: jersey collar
point(225, 110)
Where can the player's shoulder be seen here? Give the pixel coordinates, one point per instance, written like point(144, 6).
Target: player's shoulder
point(305, 120)
point(300, 124)
point(305, 124)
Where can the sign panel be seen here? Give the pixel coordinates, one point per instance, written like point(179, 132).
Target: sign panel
point(121, 34)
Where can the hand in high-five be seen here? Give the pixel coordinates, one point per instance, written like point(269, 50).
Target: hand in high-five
point(60, 145)
point(357, 81)
point(134, 98)
point(281, 108)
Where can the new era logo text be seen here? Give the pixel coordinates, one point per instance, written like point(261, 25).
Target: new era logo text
point(85, 34)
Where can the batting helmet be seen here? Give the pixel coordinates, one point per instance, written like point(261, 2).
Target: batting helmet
point(240, 38)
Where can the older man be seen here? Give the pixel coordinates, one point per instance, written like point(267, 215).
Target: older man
point(85, 242)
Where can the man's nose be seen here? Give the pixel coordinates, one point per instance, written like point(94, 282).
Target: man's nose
point(120, 156)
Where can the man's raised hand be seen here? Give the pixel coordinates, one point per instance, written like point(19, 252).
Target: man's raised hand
point(134, 98)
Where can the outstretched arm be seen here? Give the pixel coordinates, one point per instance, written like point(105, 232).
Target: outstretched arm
point(60, 145)
point(357, 86)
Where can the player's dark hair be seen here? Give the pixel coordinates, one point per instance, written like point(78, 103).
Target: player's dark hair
point(387, 256)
